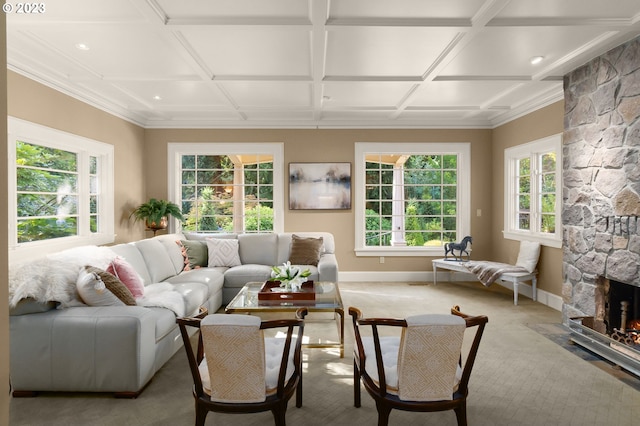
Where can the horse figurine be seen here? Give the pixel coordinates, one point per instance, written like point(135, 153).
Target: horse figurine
point(461, 247)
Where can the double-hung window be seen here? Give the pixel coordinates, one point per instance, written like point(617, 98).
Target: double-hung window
point(532, 191)
point(225, 188)
point(60, 190)
point(410, 198)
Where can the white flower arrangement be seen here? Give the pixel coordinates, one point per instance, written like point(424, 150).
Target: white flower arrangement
point(290, 277)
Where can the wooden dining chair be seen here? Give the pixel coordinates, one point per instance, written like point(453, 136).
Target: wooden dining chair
point(419, 368)
point(236, 369)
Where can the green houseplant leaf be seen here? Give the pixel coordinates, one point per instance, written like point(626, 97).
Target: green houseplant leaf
point(154, 210)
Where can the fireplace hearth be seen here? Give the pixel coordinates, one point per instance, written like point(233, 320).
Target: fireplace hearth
point(614, 331)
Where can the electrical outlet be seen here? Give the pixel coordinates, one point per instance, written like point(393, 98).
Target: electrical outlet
point(381, 259)
point(479, 212)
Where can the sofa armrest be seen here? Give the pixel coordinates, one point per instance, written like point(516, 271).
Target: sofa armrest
point(328, 268)
point(92, 349)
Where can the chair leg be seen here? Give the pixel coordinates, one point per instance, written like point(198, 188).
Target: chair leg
point(279, 414)
point(383, 414)
point(299, 393)
point(461, 414)
point(356, 385)
point(201, 414)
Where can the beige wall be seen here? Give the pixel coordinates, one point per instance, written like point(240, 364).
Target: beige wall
point(39, 104)
point(338, 146)
point(539, 124)
point(4, 255)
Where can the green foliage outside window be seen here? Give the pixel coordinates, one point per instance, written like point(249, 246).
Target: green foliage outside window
point(429, 197)
point(211, 199)
point(47, 199)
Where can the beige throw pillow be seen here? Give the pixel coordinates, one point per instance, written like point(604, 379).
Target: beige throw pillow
point(305, 251)
point(100, 288)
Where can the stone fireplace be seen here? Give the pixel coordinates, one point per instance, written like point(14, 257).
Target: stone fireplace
point(601, 183)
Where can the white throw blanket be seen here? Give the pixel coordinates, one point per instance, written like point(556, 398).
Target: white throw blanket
point(488, 272)
point(162, 295)
point(53, 279)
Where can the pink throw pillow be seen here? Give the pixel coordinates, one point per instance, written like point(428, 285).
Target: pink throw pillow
point(128, 275)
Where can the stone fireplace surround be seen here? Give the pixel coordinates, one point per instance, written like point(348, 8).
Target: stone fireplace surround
point(601, 178)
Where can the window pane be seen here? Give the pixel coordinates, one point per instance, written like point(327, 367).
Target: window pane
point(450, 161)
point(37, 205)
point(548, 162)
point(93, 184)
point(93, 204)
point(188, 162)
point(524, 185)
point(548, 223)
point(45, 229)
point(450, 177)
point(208, 161)
point(548, 203)
point(386, 177)
point(450, 193)
point(93, 165)
point(549, 182)
point(524, 202)
point(524, 167)
point(523, 221)
point(47, 158)
point(188, 177)
point(93, 224)
point(45, 181)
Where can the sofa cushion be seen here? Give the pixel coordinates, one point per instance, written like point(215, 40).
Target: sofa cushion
point(238, 276)
point(132, 255)
point(126, 273)
point(213, 278)
point(157, 259)
point(194, 295)
point(100, 288)
point(223, 252)
point(165, 322)
point(194, 253)
point(305, 251)
point(261, 249)
point(175, 252)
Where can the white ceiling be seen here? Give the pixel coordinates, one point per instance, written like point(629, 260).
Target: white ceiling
point(315, 63)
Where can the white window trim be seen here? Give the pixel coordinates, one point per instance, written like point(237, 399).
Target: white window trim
point(463, 149)
point(178, 149)
point(27, 131)
point(511, 155)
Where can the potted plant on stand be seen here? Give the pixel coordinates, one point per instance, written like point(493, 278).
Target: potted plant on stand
point(156, 212)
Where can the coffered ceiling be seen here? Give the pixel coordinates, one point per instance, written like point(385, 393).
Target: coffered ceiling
point(315, 63)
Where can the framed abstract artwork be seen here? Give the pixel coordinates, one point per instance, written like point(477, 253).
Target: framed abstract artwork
point(319, 186)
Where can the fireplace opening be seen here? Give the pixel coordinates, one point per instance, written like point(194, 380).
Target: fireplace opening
point(614, 331)
point(621, 308)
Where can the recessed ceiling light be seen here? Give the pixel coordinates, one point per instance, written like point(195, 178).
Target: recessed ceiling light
point(157, 98)
point(82, 46)
point(536, 60)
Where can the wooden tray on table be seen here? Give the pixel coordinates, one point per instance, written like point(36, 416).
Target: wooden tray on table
point(271, 292)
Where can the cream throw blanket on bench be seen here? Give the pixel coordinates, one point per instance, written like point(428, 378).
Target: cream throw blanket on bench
point(488, 272)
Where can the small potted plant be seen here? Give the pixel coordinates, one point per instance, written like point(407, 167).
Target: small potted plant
point(155, 213)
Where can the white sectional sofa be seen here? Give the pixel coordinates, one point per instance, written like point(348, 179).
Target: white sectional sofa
point(65, 345)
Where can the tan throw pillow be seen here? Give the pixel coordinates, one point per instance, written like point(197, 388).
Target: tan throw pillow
point(305, 251)
point(100, 288)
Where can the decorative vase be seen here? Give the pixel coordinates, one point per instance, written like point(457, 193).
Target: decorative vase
point(161, 225)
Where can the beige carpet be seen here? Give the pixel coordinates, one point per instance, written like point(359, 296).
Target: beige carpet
point(521, 377)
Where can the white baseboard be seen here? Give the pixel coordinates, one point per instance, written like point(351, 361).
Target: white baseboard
point(549, 299)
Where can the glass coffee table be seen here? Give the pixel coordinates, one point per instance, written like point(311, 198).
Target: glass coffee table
point(327, 299)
